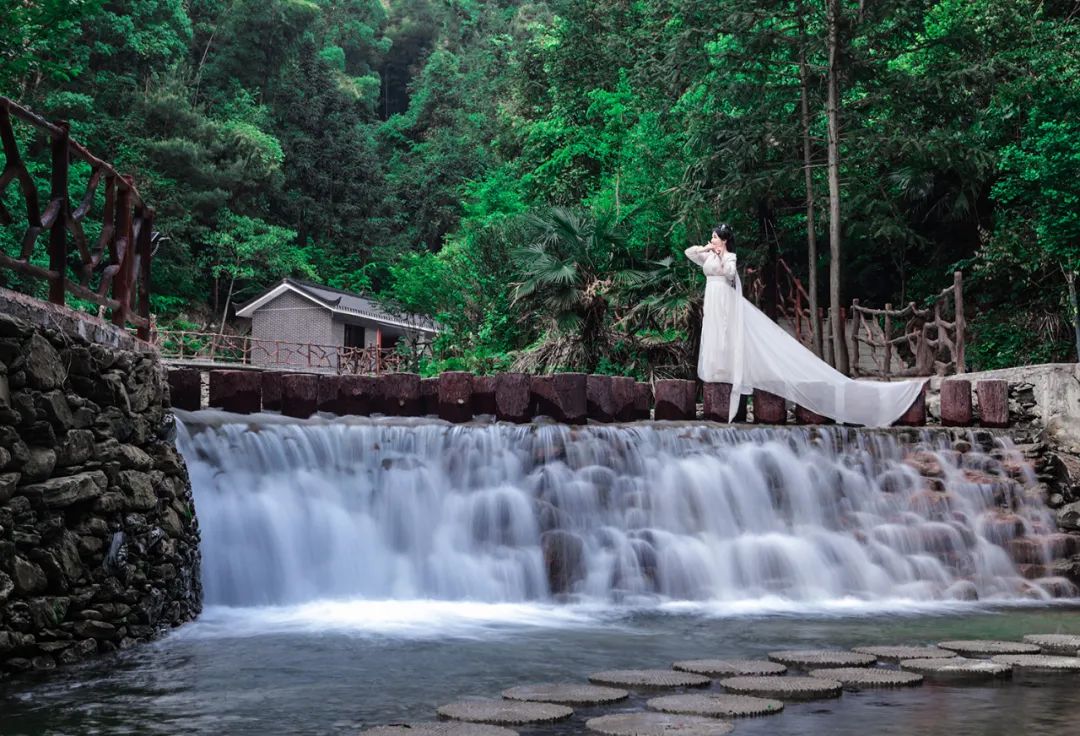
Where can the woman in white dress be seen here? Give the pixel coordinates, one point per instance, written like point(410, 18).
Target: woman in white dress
point(740, 345)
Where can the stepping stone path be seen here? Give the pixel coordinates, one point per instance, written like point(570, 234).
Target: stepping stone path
point(505, 712)
point(440, 729)
point(566, 694)
point(957, 668)
point(1067, 644)
point(869, 677)
point(808, 658)
point(988, 647)
point(784, 688)
point(649, 679)
point(657, 724)
point(896, 654)
point(1039, 662)
point(730, 667)
point(716, 705)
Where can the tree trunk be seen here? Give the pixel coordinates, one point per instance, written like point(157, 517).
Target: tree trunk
point(833, 21)
point(811, 233)
point(1070, 277)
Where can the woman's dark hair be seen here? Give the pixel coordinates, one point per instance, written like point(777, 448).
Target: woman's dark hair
point(725, 233)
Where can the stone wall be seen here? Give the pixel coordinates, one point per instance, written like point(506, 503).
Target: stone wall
point(98, 537)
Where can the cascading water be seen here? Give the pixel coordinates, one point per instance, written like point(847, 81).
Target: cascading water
point(299, 511)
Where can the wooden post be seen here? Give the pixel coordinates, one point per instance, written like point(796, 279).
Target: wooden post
point(145, 251)
point(58, 229)
point(819, 346)
point(856, 317)
point(841, 349)
point(888, 340)
point(832, 339)
point(961, 325)
point(124, 245)
point(378, 350)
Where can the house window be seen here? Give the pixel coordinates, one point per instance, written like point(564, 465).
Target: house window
point(354, 336)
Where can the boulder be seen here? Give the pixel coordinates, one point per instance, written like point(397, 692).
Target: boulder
point(564, 559)
point(44, 368)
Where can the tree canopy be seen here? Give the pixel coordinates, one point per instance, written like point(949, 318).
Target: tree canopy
point(528, 172)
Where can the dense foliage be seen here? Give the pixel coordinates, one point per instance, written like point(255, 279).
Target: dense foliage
point(529, 172)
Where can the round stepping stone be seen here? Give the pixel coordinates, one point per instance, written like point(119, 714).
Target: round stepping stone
point(649, 679)
point(440, 729)
point(896, 654)
point(1068, 644)
point(784, 688)
point(988, 647)
point(812, 658)
point(1039, 662)
point(730, 667)
point(957, 668)
point(504, 712)
point(869, 677)
point(657, 724)
point(716, 705)
point(566, 693)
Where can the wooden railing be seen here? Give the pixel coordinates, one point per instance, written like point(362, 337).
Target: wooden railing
point(119, 260)
point(924, 339)
point(210, 347)
point(885, 343)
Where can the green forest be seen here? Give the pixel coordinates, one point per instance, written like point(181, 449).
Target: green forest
point(529, 173)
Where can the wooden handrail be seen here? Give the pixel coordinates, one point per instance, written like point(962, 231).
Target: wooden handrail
point(121, 257)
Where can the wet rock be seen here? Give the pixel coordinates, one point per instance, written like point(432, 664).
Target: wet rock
point(561, 396)
point(731, 667)
point(564, 559)
point(865, 677)
point(399, 395)
point(819, 658)
point(957, 668)
point(987, 647)
point(784, 688)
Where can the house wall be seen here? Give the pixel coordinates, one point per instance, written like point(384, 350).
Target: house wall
point(293, 319)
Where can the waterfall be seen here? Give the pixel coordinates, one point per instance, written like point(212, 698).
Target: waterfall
point(377, 509)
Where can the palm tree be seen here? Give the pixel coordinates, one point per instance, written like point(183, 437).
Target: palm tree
point(568, 269)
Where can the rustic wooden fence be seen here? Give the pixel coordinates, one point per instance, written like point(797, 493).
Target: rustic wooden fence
point(883, 343)
point(924, 339)
point(243, 350)
point(112, 272)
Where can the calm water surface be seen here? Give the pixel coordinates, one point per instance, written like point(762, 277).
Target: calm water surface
point(336, 668)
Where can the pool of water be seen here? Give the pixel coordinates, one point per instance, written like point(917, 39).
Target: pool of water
point(339, 667)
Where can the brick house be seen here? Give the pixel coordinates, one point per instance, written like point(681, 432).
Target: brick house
point(304, 325)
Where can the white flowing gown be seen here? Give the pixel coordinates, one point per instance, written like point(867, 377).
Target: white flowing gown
point(740, 345)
